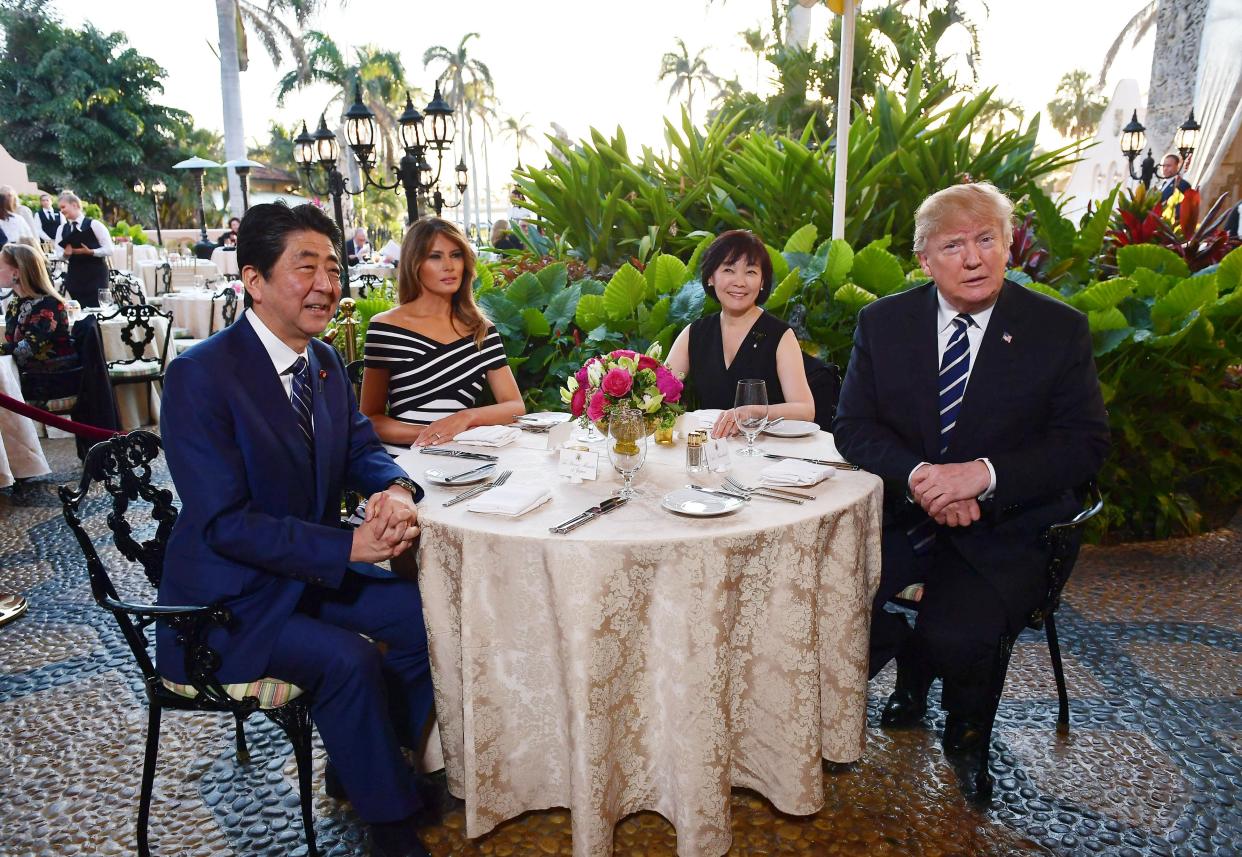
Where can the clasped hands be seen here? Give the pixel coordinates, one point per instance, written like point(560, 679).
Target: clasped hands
point(391, 526)
point(949, 492)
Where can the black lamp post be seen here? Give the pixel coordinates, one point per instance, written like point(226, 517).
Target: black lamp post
point(1187, 138)
point(242, 166)
point(322, 148)
point(1133, 138)
point(197, 166)
point(158, 189)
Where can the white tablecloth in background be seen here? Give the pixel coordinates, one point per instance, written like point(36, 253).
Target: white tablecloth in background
point(131, 399)
point(192, 309)
point(388, 272)
point(142, 253)
point(225, 260)
point(183, 274)
point(648, 661)
point(20, 454)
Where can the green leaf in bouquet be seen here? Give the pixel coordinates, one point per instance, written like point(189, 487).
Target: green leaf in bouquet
point(561, 309)
point(624, 293)
point(1162, 260)
point(802, 241)
point(878, 271)
point(687, 304)
point(536, 324)
point(503, 313)
point(590, 312)
point(852, 297)
point(1178, 302)
point(787, 288)
point(1103, 296)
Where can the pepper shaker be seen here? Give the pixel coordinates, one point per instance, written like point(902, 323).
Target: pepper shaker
point(696, 457)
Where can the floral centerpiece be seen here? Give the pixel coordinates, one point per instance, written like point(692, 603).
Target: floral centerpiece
point(625, 379)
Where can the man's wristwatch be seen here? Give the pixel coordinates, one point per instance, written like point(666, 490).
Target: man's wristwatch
point(408, 484)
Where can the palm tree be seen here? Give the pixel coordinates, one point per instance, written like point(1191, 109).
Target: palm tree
point(1077, 111)
point(687, 72)
point(1144, 19)
point(517, 129)
point(459, 69)
point(275, 34)
point(758, 45)
point(482, 101)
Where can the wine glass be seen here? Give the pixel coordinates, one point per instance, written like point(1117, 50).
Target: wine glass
point(106, 300)
point(750, 410)
point(627, 446)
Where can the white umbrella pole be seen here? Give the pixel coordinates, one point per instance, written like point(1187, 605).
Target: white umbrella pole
point(843, 119)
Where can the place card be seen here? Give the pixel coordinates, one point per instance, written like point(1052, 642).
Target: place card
point(559, 434)
point(717, 453)
point(577, 464)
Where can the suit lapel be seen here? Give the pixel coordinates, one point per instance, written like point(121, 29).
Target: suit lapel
point(925, 360)
point(323, 428)
point(257, 377)
point(991, 370)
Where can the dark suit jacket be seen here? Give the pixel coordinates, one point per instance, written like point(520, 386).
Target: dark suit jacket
point(1167, 190)
point(1033, 407)
point(256, 526)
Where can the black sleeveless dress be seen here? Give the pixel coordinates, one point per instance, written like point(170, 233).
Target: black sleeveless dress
point(713, 384)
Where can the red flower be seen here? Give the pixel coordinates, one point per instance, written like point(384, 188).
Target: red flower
point(578, 402)
point(617, 383)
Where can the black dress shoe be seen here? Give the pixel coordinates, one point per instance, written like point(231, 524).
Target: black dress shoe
point(396, 839)
point(429, 792)
point(903, 709)
point(962, 736)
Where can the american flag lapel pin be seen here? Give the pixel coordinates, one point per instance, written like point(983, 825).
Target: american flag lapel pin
point(1007, 336)
point(323, 376)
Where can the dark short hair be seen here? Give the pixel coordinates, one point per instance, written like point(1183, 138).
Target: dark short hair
point(265, 230)
point(730, 247)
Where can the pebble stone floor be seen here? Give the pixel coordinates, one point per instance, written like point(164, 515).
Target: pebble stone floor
point(1152, 635)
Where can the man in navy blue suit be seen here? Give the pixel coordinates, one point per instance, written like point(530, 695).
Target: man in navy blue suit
point(262, 434)
point(976, 400)
point(1171, 172)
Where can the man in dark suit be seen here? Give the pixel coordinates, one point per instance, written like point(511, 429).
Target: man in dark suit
point(50, 218)
point(976, 400)
point(1171, 172)
point(262, 434)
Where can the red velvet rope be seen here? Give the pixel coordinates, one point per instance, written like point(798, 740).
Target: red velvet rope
point(81, 429)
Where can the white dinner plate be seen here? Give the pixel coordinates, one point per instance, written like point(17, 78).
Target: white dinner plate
point(544, 418)
point(699, 504)
point(792, 428)
point(437, 476)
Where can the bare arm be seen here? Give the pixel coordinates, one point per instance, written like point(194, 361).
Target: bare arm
point(679, 355)
point(508, 406)
point(374, 406)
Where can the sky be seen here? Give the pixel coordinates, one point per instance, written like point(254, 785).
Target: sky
point(591, 63)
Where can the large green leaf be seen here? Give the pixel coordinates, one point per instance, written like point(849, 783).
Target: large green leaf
point(590, 313)
point(877, 271)
point(687, 304)
point(665, 274)
point(483, 278)
point(526, 291)
point(656, 318)
point(553, 278)
point(780, 268)
point(561, 309)
point(853, 298)
point(592, 287)
point(787, 289)
point(624, 293)
point(1229, 271)
point(1149, 284)
point(802, 241)
point(1046, 290)
point(1103, 296)
point(1162, 260)
point(1109, 341)
point(1107, 319)
point(1090, 237)
point(1181, 300)
point(503, 313)
point(1174, 337)
point(536, 324)
point(838, 260)
point(1226, 307)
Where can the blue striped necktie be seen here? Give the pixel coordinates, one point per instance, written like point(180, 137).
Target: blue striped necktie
point(301, 401)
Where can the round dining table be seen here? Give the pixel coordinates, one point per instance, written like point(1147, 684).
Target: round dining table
point(647, 660)
point(196, 310)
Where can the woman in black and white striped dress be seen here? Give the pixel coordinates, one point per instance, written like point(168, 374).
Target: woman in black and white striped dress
point(428, 358)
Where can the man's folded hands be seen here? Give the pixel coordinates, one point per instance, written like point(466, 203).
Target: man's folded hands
point(391, 526)
point(948, 492)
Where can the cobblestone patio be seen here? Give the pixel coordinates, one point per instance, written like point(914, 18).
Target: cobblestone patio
point(1152, 638)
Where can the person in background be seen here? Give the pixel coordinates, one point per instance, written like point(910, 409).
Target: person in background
point(1231, 222)
point(22, 208)
point(428, 357)
point(85, 245)
point(15, 226)
point(358, 250)
point(228, 238)
point(742, 340)
point(1171, 172)
point(36, 322)
point(503, 238)
point(49, 217)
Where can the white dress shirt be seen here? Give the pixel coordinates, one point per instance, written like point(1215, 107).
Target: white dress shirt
point(945, 313)
point(15, 227)
point(101, 235)
point(281, 355)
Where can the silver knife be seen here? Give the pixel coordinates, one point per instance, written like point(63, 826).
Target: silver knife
point(840, 465)
point(457, 476)
point(717, 492)
point(589, 515)
point(457, 453)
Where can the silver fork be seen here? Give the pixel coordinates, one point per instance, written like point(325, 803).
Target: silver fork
point(760, 492)
point(772, 489)
point(501, 478)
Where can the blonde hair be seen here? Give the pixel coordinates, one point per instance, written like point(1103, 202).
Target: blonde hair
point(499, 228)
point(980, 200)
point(31, 270)
point(69, 196)
point(416, 247)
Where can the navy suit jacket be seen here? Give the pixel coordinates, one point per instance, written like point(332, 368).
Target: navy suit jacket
point(1033, 407)
point(256, 525)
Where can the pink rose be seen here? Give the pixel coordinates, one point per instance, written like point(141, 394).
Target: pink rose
point(595, 410)
point(617, 383)
point(622, 352)
point(667, 383)
point(578, 402)
point(581, 374)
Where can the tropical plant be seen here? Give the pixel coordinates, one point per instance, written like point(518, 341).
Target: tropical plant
point(1138, 26)
point(687, 73)
point(463, 79)
point(1077, 109)
point(517, 130)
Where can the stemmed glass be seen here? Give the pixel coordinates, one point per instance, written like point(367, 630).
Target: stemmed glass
point(105, 299)
point(750, 410)
point(627, 446)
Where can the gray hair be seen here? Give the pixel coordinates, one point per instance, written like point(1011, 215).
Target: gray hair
point(978, 199)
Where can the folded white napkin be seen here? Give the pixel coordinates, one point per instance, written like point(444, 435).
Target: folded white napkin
point(705, 418)
point(789, 471)
point(512, 500)
point(541, 420)
point(489, 436)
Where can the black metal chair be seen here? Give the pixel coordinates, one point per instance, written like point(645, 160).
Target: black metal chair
point(824, 380)
point(364, 283)
point(126, 289)
point(123, 466)
point(141, 335)
point(1063, 541)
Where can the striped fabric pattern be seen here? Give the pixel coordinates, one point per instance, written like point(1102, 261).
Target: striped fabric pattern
point(300, 398)
point(271, 692)
point(429, 379)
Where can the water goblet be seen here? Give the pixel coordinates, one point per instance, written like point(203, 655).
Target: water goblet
point(106, 300)
point(627, 446)
point(750, 410)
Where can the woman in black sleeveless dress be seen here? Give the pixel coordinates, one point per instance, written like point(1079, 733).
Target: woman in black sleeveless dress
point(742, 340)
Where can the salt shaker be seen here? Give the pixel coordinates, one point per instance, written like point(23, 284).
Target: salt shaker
point(696, 455)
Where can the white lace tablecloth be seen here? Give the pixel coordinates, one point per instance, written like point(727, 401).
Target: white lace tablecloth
point(183, 274)
point(193, 309)
point(225, 260)
point(21, 457)
point(648, 661)
point(387, 272)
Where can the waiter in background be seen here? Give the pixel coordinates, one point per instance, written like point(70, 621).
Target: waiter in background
point(85, 245)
